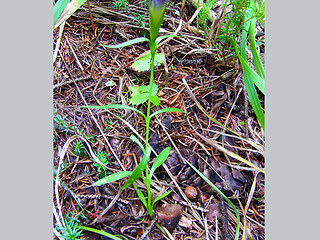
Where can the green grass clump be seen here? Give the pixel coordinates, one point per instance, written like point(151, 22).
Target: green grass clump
point(103, 157)
point(70, 230)
point(120, 4)
point(79, 149)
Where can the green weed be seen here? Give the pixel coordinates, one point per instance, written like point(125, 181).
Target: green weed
point(70, 230)
point(103, 157)
point(79, 149)
point(120, 4)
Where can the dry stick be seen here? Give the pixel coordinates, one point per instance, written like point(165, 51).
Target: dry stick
point(226, 123)
point(94, 119)
point(58, 41)
point(252, 190)
point(71, 81)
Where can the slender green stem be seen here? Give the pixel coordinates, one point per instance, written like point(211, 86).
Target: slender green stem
point(153, 47)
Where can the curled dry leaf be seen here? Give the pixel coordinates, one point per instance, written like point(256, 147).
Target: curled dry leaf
point(169, 215)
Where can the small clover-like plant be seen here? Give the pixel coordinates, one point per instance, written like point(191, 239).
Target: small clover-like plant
point(139, 95)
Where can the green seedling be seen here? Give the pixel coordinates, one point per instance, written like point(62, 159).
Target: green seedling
point(79, 149)
point(103, 157)
point(120, 4)
point(140, 95)
point(70, 230)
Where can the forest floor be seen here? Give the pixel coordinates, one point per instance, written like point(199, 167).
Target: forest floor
point(196, 78)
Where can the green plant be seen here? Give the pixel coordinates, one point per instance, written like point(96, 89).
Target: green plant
point(120, 4)
point(141, 95)
point(203, 16)
point(252, 78)
point(103, 157)
point(239, 29)
point(62, 124)
point(79, 149)
point(70, 229)
point(63, 9)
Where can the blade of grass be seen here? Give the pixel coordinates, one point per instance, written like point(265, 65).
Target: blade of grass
point(116, 106)
point(166, 110)
point(69, 9)
point(58, 9)
point(160, 197)
point(103, 233)
point(113, 177)
point(139, 169)
point(135, 139)
point(128, 43)
point(161, 158)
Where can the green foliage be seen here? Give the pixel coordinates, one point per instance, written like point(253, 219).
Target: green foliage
point(143, 63)
point(113, 177)
point(140, 94)
point(103, 157)
point(203, 16)
point(71, 230)
point(102, 233)
point(62, 124)
point(79, 149)
point(128, 43)
point(63, 9)
point(120, 4)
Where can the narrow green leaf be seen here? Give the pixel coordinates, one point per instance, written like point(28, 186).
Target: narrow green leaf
point(159, 39)
point(141, 197)
point(254, 99)
point(160, 197)
point(253, 47)
point(58, 9)
point(253, 76)
point(136, 140)
point(103, 233)
point(161, 158)
point(113, 177)
point(139, 169)
point(68, 10)
point(128, 43)
point(116, 106)
point(166, 110)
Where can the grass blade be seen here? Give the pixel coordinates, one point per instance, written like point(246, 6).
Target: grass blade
point(135, 139)
point(160, 197)
point(166, 110)
point(116, 106)
point(161, 158)
point(139, 169)
point(141, 197)
point(128, 43)
point(159, 39)
point(58, 9)
point(69, 9)
point(113, 177)
point(254, 99)
point(103, 233)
